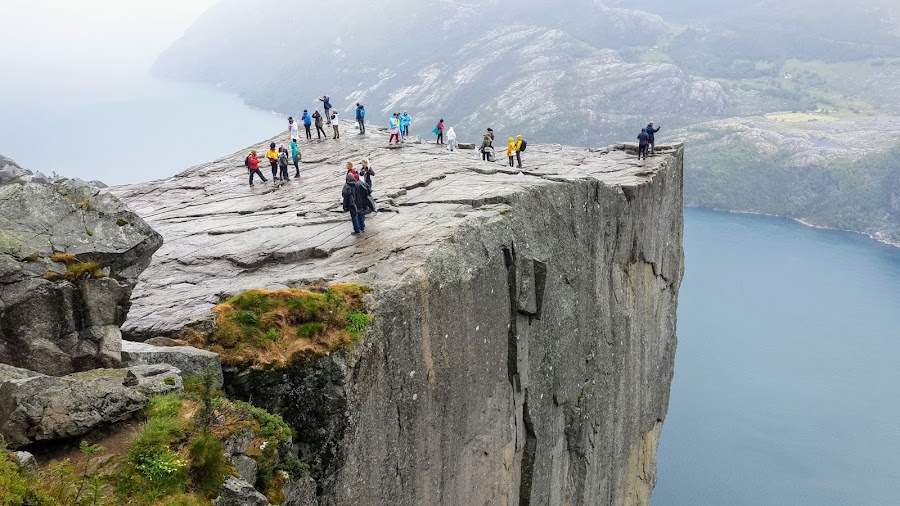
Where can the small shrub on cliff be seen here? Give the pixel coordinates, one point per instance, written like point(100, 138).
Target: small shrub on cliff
point(78, 270)
point(207, 464)
point(262, 328)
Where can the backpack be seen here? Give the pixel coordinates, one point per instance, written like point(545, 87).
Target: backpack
point(524, 145)
point(247, 162)
point(437, 130)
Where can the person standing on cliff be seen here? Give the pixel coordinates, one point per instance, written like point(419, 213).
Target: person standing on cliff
point(335, 124)
point(451, 139)
point(487, 147)
point(253, 167)
point(283, 163)
point(394, 128)
point(361, 118)
point(319, 130)
point(326, 104)
point(405, 120)
point(520, 146)
point(356, 201)
point(511, 151)
point(295, 156)
point(307, 122)
point(366, 173)
point(651, 131)
point(293, 129)
point(272, 156)
point(439, 131)
point(643, 143)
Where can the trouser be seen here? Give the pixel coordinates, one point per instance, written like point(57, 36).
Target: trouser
point(652, 147)
point(642, 150)
point(308, 132)
point(337, 133)
point(362, 125)
point(297, 167)
point(484, 154)
point(440, 139)
point(406, 131)
point(359, 222)
point(511, 160)
point(328, 116)
point(519, 158)
point(320, 132)
point(452, 145)
point(284, 173)
point(393, 135)
point(274, 169)
point(400, 134)
point(258, 173)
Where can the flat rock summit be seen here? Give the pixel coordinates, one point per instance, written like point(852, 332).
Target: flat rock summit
point(522, 339)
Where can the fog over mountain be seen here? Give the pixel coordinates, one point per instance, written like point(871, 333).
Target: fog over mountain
point(590, 72)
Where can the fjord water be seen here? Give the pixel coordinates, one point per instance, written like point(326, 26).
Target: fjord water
point(126, 131)
point(787, 370)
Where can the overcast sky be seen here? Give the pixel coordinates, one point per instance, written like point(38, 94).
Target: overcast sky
point(86, 40)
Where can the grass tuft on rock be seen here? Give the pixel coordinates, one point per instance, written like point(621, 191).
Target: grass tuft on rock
point(269, 328)
point(80, 270)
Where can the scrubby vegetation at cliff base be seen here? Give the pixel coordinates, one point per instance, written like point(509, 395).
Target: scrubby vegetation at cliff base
point(266, 328)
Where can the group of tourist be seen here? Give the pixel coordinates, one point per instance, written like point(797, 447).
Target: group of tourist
point(357, 191)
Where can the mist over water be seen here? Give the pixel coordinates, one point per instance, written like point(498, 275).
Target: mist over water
point(786, 374)
point(127, 131)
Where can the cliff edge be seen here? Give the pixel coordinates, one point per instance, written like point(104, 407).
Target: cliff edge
point(523, 335)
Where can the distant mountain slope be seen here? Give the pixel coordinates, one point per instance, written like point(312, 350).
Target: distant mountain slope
point(543, 70)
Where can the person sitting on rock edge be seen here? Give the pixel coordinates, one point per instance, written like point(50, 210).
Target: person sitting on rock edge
point(253, 167)
point(272, 155)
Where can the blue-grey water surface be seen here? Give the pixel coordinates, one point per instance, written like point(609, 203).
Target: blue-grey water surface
point(125, 131)
point(786, 378)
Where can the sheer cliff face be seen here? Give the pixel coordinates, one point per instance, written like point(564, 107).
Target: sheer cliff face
point(523, 338)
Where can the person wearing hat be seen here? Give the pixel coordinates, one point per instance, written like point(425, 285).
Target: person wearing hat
point(307, 122)
point(650, 132)
point(253, 167)
point(293, 129)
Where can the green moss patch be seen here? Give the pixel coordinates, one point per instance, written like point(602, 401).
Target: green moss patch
point(268, 328)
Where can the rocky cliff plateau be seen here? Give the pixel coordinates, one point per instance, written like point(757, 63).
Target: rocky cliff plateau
point(523, 334)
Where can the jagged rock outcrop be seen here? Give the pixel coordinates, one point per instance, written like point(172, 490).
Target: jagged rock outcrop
point(37, 408)
point(69, 257)
point(190, 361)
point(523, 334)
